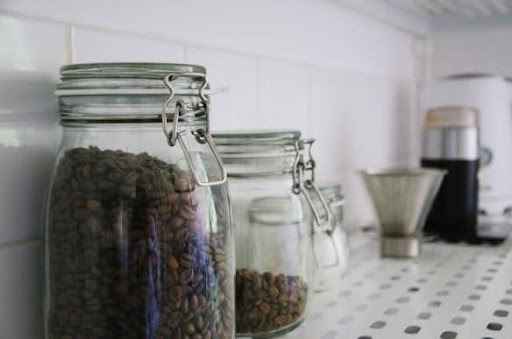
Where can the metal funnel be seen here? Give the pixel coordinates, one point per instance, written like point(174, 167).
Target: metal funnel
point(402, 198)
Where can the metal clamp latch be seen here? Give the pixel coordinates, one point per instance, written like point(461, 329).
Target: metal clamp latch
point(303, 184)
point(202, 136)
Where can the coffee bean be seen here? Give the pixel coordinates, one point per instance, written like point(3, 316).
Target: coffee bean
point(268, 302)
point(131, 251)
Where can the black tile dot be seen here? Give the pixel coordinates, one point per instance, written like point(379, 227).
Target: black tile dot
point(434, 303)
point(385, 286)
point(448, 335)
point(361, 307)
point(391, 311)
point(412, 329)
point(465, 267)
point(405, 269)
point(424, 315)
point(466, 308)
point(492, 270)
point(331, 304)
point(487, 338)
point(422, 280)
point(431, 272)
point(458, 321)
point(345, 320)
point(486, 278)
point(506, 301)
point(497, 262)
point(500, 313)
point(509, 291)
point(443, 293)
point(316, 316)
point(451, 283)
point(402, 300)
point(395, 277)
point(494, 326)
point(330, 335)
point(365, 337)
point(458, 275)
point(413, 289)
point(474, 297)
point(480, 287)
point(378, 324)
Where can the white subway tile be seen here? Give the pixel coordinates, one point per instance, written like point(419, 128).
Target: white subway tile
point(93, 45)
point(21, 280)
point(32, 45)
point(359, 120)
point(358, 208)
point(237, 108)
point(313, 31)
point(284, 94)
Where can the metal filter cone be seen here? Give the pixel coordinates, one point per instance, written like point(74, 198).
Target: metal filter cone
point(402, 199)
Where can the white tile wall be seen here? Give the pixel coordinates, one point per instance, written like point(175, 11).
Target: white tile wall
point(310, 65)
point(93, 45)
point(32, 45)
point(487, 50)
point(284, 94)
point(237, 108)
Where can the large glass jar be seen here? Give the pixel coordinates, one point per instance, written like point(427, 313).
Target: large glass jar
point(138, 237)
point(273, 227)
point(331, 248)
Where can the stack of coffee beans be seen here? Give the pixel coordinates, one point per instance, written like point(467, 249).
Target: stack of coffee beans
point(268, 302)
point(133, 251)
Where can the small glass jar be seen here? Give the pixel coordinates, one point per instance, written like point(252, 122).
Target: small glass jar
point(331, 248)
point(138, 240)
point(273, 227)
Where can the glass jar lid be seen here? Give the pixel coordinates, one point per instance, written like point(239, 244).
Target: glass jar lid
point(104, 78)
point(257, 153)
point(131, 91)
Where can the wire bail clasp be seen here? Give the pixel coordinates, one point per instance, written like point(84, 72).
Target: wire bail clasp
point(304, 181)
point(202, 136)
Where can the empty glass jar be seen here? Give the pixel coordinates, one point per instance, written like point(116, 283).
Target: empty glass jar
point(273, 227)
point(331, 248)
point(138, 235)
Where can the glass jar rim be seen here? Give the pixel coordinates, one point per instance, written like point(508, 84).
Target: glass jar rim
point(143, 70)
point(256, 137)
point(254, 153)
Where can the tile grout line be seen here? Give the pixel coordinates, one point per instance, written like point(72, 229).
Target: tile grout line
point(160, 38)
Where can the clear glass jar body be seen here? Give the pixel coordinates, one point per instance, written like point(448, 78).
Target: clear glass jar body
point(273, 236)
point(331, 249)
point(135, 248)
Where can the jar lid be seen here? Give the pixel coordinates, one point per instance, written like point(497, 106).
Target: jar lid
point(259, 137)
point(126, 78)
point(257, 153)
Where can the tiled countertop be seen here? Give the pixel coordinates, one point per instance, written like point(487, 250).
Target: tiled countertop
point(451, 291)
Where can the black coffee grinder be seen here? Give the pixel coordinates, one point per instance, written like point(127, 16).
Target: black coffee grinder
point(450, 142)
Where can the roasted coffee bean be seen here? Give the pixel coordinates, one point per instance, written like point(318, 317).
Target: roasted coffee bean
point(268, 302)
point(131, 252)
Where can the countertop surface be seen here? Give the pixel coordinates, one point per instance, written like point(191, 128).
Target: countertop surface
point(450, 291)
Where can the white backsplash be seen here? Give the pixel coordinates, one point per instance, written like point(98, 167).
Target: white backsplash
point(340, 77)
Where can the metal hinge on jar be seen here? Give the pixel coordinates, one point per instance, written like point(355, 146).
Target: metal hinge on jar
point(202, 136)
point(304, 182)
